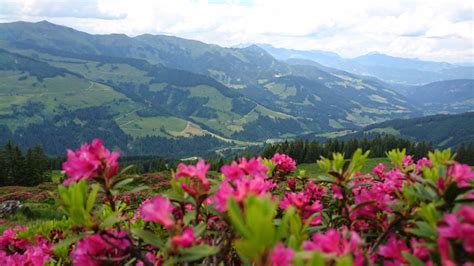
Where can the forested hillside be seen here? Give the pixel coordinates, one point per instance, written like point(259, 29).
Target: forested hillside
point(146, 92)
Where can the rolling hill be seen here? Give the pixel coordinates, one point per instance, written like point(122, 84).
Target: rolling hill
point(453, 96)
point(136, 92)
point(442, 130)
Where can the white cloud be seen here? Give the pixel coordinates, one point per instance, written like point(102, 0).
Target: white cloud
point(428, 29)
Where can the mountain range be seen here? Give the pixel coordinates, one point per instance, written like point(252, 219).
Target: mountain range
point(396, 70)
point(152, 94)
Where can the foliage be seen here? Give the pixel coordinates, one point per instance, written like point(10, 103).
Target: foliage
point(419, 212)
point(30, 169)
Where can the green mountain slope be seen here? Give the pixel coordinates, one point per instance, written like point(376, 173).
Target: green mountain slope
point(161, 88)
point(442, 130)
point(445, 96)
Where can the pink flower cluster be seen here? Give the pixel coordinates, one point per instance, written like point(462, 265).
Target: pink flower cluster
point(17, 251)
point(196, 183)
point(100, 249)
point(457, 227)
point(307, 202)
point(242, 179)
point(185, 240)
point(461, 174)
point(284, 163)
point(158, 209)
point(337, 243)
point(89, 161)
point(281, 256)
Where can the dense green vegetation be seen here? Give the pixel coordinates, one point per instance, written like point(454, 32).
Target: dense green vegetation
point(441, 130)
point(20, 169)
point(305, 151)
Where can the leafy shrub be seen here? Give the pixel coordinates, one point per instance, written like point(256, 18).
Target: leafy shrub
point(254, 214)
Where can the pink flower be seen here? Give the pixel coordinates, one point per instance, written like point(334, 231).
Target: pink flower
point(156, 261)
point(461, 174)
point(304, 204)
point(232, 171)
point(420, 250)
point(281, 256)
point(334, 242)
point(253, 167)
point(242, 179)
point(315, 192)
point(284, 163)
point(393, 250)
point(157, 210)
point(10, 241)
point(291, 183)
point(379, 170)
point(407, 161)
point(90, 161)
point(371, 201)
point(94, 250)
point(196, 182)
point(17, 251)
point(240, 189)
point(422, 162)
point(185, 240)
point(458, 227)
point(336, 192)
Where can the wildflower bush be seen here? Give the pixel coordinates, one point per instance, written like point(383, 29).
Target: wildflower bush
point(258, 212)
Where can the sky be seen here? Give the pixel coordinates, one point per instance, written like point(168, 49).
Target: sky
point(439, 30)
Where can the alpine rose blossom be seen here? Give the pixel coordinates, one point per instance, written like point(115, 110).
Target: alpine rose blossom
point(242, 179)
point(291, 182)
point(196, 183)
point(337, 243)
point(252, 167)
point(93, 250)
point(392, 250)
point(17, 251)
point(158, 210)
point(460, 227)
point(89, 161)
point(284, 163)
point(281, 256)
point(461, 174)
point(185, 240)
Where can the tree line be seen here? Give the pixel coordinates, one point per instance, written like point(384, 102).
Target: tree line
point(306, 151)
point(23, 169)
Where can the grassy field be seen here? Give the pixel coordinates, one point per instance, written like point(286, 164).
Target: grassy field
point(313, 170)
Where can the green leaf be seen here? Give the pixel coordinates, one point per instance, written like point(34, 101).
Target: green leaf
point(67, 242)
point(91, 198)
point(199, 229)
point(316, 260)
point(197, 252)
point(147, 237)
point(139, 188)
point(282, 230)
point(122, 183)
point(413, 260)
point(111, 220)
point(236, 219)
point(344, 261)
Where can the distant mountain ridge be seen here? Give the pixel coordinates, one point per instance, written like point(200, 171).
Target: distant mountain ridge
point(388, 68)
